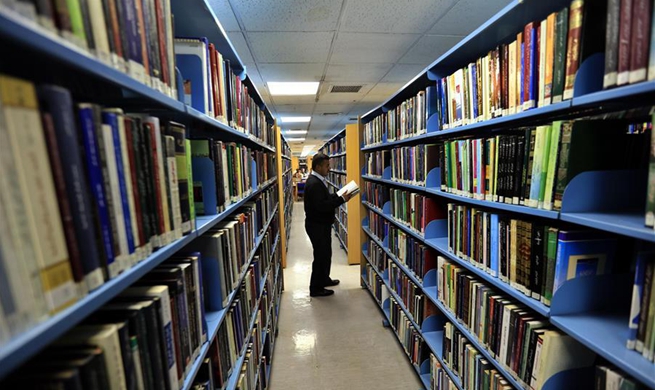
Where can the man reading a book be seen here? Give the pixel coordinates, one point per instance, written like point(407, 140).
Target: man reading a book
point(320, 206)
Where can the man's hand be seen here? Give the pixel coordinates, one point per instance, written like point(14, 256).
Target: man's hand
point(346, 197)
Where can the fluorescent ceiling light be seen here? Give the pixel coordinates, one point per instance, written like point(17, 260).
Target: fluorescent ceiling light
point(295, 119)
point(306, 150)
point(292, 88)
point(295, 139)
point(289, 132)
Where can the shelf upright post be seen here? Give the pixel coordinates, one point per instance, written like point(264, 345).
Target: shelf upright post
point(356, 210)
point(279, 146)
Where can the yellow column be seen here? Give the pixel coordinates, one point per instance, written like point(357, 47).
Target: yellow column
point(356, 211)
point(280, 186)
point(295, 164)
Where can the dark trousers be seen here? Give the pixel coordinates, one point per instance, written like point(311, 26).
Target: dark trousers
point(319, 235)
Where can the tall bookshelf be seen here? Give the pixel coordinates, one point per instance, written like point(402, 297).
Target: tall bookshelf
point(285, 186)
point(94, 79)
point(592, 310)
point(335, 147)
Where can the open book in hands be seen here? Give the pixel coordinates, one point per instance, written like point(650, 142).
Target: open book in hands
point(351, 189)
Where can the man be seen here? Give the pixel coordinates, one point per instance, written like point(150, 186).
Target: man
point(320, 205)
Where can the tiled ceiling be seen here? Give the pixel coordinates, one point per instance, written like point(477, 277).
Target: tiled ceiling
point(378, 44)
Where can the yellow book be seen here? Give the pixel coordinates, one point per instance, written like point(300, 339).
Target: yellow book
point(550, 56)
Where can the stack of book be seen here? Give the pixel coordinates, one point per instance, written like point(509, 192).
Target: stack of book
point(378, 225)
point(411, 164)
point(532, 167)
point(411, 252)
point(335, 146)
point(338, 163)
point(376, 194)
point(413, 210)
point(213, 88)
point(535, 70)
point(641, 327)
point(337, 179)
point(407, 120)
point(608, 377)
point(375, 162)
point(532, 257)
point(81, 210)
point(377, 256)
point(439, 378)
point(475, 372)
point(134, 37)
point(412, 295)
point(415, 347)
point(376, 285)
point(147, 337)
point(530, 348)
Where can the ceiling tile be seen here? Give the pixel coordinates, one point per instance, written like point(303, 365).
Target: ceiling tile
point(402, 73)
point(415, 16)
point(305, 99)
point(224, 13)
point(429, 48)
point(292, 72)
point(356, 73)
point(295, 109)
point(361, 108)
point(386, 89)
point(325, 97)
point(475, 12)
point(240, 45)
point(365, 47)
point(282, 47)
point(341, 108)
point(288, 15)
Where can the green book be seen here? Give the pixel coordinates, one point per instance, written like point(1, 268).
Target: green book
point(544, 165)
point(547, 200)
point(650, 193)
point(561, 33)
point(76, 20)
point(190, 187)
point(539, 150)
point(549, 275)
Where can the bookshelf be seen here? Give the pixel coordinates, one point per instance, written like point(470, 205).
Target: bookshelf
point(604, 200)
point(91, 78)
point(285, 186)
point(335, 147)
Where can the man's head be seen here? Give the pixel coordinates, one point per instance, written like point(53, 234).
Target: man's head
point(321, 164)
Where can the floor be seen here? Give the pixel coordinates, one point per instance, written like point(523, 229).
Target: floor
point(335, 342)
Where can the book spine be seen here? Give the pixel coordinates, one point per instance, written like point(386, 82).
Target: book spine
point(561, 30)
point(542, 36)
point(131, 191)
point(573, 47)
point(142, 231)
point(551, 170)
point(640, 342)
point(549, 58)
point(563, 164)
point(143, 37)
point(535, 185)
point(636, 311)
point(625, 32)
point(173, 186)
point(651, 54)
point(650, 193)
point(86, 22)
point(190, 185)
point(78, 36)
point(130, 31)
point(640, 42)
point(99, 30)
point(544, 165)
point(612, 43)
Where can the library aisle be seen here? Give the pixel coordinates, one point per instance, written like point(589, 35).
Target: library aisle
point(336, 342)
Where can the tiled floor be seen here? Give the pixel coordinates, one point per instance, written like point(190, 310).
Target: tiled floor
point(335, 342)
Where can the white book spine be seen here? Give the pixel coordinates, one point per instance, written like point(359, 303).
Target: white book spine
point(173, 187)
point(99, 29)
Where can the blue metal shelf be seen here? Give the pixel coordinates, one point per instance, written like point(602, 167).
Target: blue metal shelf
point(389, 218)
point(286, 157)
point(629, 224)
point(344, 246)
point(27, 344)
point(206, 222)
point(56, 48)
point(332, 184)
point(338, 171)
point(615, 94)
point(338, 154)
point(606, 334)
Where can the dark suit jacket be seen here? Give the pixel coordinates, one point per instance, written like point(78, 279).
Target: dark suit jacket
point(319, 203)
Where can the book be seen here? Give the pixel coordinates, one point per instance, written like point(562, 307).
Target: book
point(637, 312)
point(573, 47)
point(625, 33)
point(351, 188)
point(640, 40)
point(561, 33)
point(612, 43)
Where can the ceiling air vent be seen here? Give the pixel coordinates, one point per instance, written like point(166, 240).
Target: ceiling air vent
point(331, 114)
point(345, 88)
point(353, 118)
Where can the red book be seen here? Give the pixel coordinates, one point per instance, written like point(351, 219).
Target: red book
point(625, 31)
point(163, 52)
point(640, 40)
point(155, 172)
point(573, 47)
point(214, 79)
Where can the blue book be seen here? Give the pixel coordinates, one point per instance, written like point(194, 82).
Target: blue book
point(643, 258)
point(192, 61)
point(522, 73)
point(130, 28)
point(444, 103)
point(111, 119)
point(58, 103)
point(94, 172)
point(431, 100)
point(494, 244)
point(532, 71)
point(474, 89)
point(582, 254)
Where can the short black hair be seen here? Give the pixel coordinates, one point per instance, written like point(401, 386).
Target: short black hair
point(318, 159)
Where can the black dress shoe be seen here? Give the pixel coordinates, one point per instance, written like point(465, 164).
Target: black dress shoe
point(321, 293)
point(333, 282)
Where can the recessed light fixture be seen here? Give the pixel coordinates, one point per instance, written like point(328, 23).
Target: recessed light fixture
point(295, 119)
point(289, 132)
point(295, 139)
point(292, 88)
point(307, 150)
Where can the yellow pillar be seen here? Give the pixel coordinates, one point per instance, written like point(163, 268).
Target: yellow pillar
point(356, 210)
point(295, 164)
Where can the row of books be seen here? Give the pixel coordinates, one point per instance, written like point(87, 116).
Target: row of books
point(641, 326)
point(411, 252)
point(286, 166)
point(533, 167)
point(223, 173)
point(286, 149)
point(338, 163)
point(376, 285)
point(212, 87)
point(375, 162)
point(376, 194)
point(519, 340)
point(88, 193)
point(414, 210)
point(535, 258)
point(412, 295)
point(337, 179)
point(629, 48)
point(377, 256)
point(535, 70)
point(608, 377)
point(474, 371)
point(333, 147)
point(134, 37)
point(408, 119)
point(439, 378)
point(415, 347)
point(378, 225)
point(411, 164)
point(148, 337)
point(342, 233)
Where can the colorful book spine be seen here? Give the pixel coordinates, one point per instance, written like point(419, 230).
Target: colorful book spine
point(625, 31)
point(573, 48)
point(640, 36)
point(612, 43)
